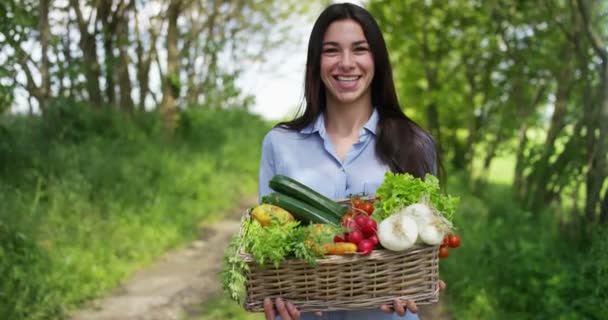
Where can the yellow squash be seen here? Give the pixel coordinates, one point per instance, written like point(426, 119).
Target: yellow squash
point(263, 213)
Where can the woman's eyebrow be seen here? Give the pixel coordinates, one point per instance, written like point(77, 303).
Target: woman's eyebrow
point(336, 44)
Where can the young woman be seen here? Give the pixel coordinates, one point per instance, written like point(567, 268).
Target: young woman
point(351, 132)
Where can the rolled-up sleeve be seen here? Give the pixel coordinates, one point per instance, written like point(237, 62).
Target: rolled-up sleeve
point(267, 167)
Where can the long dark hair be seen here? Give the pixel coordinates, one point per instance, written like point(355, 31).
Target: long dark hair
point(401, 144)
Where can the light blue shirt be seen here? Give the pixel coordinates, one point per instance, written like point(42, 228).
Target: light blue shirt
point(309, 157)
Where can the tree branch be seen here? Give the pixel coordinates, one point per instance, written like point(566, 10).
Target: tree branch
point(596, 42)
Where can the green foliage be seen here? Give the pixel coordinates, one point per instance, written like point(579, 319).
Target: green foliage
point(526, 266)
point(223, 308)
point(269, 246)
point(88, 197)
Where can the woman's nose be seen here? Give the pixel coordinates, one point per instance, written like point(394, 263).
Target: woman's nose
point(347, 60)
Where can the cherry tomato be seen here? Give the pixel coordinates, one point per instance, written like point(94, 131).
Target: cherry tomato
point(355, 202)
point(444, 252)
point(445, 240)
point(368, 208)
point(453, 241)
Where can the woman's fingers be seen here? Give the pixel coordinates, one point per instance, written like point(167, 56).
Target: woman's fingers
point(282, 309)
point(411, 305)
point(293, 311)
point(269, 309)
point(398, 307)
point(386, 308)
point(442, 285)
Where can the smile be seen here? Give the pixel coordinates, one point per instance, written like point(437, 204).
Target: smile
point(347, 78)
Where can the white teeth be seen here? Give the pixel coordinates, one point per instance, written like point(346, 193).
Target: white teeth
point(345, 78)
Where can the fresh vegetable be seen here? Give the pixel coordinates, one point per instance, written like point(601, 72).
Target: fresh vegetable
point(453, 241)
point(266, 245)
point(365, 246)
point(264, 213)
point(398, 232)
point(295, 189)
point(401, 190)
point(431, 225)
point(368, 227)
point(444, 252)
point(374, 240)
point(301, 210)
point(355, 236)
point(339, 248)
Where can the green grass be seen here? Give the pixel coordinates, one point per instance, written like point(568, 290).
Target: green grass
point(219, 308)
point(86, 198)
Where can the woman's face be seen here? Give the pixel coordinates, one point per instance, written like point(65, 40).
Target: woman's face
point(347, 63)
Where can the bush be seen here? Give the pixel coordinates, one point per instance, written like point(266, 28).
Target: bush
point(88, 197)
point(515, 264)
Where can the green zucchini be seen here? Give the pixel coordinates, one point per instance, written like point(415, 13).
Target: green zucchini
point(301, 210)
point(293, 188)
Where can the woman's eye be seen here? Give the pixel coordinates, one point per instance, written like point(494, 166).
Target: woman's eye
point(330, 50)
point(361, 49)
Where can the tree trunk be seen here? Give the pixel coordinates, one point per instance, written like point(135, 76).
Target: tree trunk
point(88, 45)
point(171, 86)
point(518, 181)
point(604, 209)
point(124, 79)
point(144, 61)
point(45, 38)
point(598, 166)
point(108, 31)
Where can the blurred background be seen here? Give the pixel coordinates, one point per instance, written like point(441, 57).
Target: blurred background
point(126, 124)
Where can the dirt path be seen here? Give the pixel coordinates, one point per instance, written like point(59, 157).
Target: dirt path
point(181, 280)
point(178, 282)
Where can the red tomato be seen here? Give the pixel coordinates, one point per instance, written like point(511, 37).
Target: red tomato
point(338, 239)
point(368, 208)
point(369, 227)
point(445, 240)
point(355, 237)
point(365, 246)
point(454, 241)
point(444, 252)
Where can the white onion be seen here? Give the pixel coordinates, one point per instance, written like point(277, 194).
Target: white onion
point(430, 226)
point(430, 234)
point(397, 232)
point(420, 212)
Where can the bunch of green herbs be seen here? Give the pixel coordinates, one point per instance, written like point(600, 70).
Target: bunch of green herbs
point(268, 246)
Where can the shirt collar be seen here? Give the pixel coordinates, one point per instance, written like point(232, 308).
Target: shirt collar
point(319, 124)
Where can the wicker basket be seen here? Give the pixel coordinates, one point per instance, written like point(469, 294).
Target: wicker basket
point(347, 282)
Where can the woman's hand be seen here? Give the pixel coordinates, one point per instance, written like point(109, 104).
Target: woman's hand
point(400, 307)
point(286, 310)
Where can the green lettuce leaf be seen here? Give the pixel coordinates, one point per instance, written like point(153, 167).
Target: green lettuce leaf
point(400, 190)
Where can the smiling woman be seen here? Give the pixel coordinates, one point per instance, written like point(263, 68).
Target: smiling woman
point(347, 64)
point(352, 130)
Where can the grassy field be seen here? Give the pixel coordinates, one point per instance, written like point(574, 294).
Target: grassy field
point(88, 198)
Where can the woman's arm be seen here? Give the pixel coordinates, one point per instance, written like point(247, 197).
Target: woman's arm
point(267, 167)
